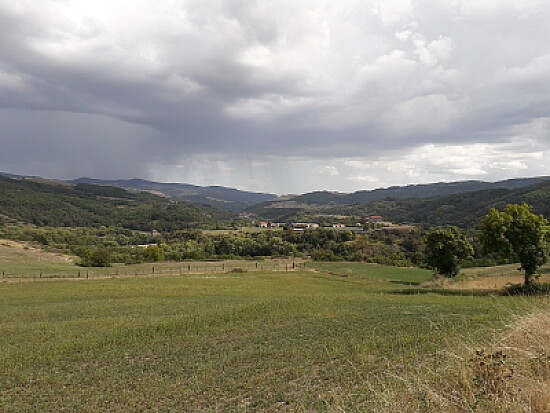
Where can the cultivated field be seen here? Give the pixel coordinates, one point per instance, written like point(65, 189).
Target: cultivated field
point(253, 341)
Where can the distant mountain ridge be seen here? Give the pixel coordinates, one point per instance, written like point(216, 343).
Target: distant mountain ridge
point(464, 209)
point(323, 200)
point(45, 202)
point(414, 191)
point(228, 199)
point(270, 206)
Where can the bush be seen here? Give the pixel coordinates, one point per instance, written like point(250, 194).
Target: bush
point(101, 257)
point(533, 288)
point(324, 255)
point(153, 254)
point(446, 249)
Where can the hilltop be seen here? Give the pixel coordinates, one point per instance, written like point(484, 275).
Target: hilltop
point(52, 203)
point(462, 209)
point(228, 199)
point(459, 203)
point(413, 191)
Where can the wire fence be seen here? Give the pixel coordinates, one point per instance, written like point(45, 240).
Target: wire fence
point(159, 269)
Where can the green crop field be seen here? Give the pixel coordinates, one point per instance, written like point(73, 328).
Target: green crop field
point(379, 272)
point(254, 341)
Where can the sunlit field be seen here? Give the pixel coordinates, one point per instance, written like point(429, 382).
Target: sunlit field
point(375, 271)
point(287, 341)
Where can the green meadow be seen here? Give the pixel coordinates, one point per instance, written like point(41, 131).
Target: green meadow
point(252, 341)
point(412, 276)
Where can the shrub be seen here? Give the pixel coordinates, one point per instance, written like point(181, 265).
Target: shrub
point(533, 288)
point(101, 257)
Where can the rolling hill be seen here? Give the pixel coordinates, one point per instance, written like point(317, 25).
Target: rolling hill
point(228, 199)
point(52, 203)
point(464, 210)
point(414, 191)
point(324, 201)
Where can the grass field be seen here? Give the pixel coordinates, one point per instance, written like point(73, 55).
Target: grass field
point(23, 261)
point(410, 276)
point(495, 278)
point(255, 341)
point(509, 270)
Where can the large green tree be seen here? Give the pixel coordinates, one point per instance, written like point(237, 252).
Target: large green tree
point(445, 249)
point(516, 234)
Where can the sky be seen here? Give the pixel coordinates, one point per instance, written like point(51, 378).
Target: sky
point(278, 96)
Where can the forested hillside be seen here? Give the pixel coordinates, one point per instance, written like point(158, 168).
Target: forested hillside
point(228, 199)
point(288, 206)
point(50, 203)
point(464, 210)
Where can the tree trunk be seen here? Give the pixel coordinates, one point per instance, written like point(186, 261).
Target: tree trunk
point(528, 278)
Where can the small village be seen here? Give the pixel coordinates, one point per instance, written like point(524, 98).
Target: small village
point(371, 220)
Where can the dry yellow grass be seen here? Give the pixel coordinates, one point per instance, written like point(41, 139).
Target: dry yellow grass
point(11, 251)
point(493, 283)
point(509, 375)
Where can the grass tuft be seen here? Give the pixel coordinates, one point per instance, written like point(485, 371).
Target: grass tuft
point(510, 374)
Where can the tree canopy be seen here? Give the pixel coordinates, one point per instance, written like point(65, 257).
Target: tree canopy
point(445, 249)
point(516, 234)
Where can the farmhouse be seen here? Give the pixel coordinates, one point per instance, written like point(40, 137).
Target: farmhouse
point(265, 224)
point(305, 225)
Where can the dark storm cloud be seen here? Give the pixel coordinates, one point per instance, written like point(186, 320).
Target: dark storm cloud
point(93, 145)
point(142, 85)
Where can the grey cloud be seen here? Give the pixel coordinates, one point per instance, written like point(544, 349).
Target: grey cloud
point(317, 80)
point(57, 144)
